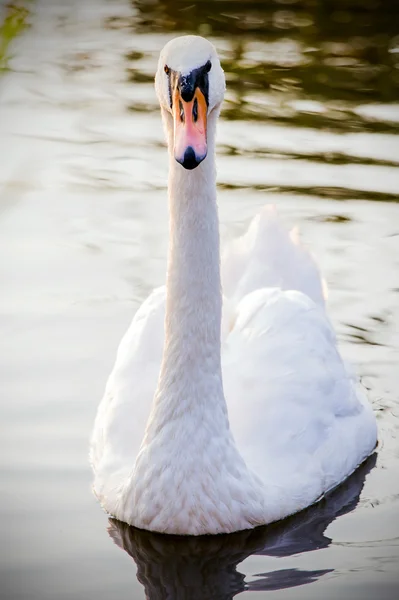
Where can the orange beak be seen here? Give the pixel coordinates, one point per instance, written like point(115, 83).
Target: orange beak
point(190, 119)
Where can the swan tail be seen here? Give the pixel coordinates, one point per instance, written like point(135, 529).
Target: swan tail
point(268, 255)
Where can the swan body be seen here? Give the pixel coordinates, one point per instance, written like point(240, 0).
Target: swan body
point(222, 414)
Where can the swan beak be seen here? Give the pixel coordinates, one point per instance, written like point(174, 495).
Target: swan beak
point(190, 118)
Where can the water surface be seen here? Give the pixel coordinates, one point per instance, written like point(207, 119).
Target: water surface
point(310, 123)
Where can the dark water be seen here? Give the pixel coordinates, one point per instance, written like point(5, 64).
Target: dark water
point(310, 123)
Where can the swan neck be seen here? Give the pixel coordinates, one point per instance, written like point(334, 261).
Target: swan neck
point(193, 289)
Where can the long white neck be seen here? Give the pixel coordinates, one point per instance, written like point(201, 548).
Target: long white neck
point(190, 374)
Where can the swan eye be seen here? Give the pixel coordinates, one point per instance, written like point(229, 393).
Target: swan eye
point(166, 69)
point(208, 66)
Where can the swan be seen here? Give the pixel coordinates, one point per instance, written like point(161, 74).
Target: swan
point(215, 421)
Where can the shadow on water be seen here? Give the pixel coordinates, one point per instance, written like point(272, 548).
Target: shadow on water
point(206, 567)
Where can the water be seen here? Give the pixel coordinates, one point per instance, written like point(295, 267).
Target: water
point(310, 123)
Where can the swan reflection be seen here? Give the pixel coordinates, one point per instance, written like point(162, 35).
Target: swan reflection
point(191, 568)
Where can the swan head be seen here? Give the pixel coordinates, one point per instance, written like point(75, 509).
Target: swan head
point(190, 85)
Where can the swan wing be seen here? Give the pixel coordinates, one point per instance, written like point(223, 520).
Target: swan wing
point(124, 410)
point(267, 255)
point(299, 418)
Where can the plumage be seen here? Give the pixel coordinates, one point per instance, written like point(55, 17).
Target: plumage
point(221, 419)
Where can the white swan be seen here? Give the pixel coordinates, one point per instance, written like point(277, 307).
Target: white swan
point(168, 453)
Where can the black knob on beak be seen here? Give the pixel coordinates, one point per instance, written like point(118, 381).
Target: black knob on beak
point(190, 160)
